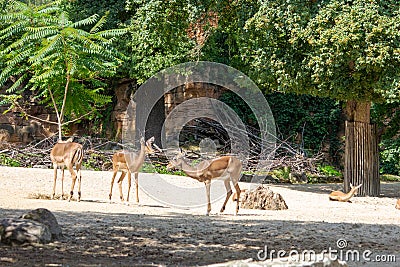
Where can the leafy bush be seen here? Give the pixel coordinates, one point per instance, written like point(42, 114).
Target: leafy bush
point(387, 118)
point(329, 170)
point(9, 161)
point(161, 169)
point(390, 157)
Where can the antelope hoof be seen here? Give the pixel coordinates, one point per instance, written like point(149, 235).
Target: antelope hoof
point(79, 196)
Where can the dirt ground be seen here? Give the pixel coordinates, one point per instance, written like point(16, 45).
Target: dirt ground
point(169, 226)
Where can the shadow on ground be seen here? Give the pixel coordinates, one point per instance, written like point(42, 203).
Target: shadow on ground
point(103, 239)
point(389, 189)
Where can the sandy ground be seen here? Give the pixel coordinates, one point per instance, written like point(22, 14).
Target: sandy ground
point(169, 226)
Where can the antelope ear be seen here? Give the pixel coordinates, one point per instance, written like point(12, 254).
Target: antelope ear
point(151, 139)
point(359, 185)
point(351, 186)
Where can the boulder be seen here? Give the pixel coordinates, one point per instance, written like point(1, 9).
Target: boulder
point(36, 226)
point(263, 198)
point(47, 218)
point(21, 231)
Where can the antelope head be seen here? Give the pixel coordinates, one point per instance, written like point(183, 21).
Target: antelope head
point(151, 148)
point(176, 162)
point(355, 188)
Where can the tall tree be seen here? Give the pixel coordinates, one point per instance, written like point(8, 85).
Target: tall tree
point(347, 50)
point(52, 56)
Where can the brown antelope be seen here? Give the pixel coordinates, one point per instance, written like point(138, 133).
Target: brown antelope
point(398, 204)
point(342, 197)
point(67, 154)
point(129, 162)
point(227, 168)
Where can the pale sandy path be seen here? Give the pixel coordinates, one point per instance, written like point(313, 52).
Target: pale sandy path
point(98, 233)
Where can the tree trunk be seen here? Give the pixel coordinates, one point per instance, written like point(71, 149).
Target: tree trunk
point(361, 152)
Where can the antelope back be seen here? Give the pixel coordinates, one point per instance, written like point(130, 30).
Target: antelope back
point(66, 153)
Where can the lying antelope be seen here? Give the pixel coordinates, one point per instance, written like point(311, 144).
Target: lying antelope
point(67, 154)
point(342, 197)
point(227, 168)
point(129, 162)
point(398, 204)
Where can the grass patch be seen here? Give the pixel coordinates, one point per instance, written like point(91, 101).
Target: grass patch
point(390, 178)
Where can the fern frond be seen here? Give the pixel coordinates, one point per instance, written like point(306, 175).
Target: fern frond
point(10, 17)
point(37, 33)
point(112, 33)
point(100, 99)
point(49, 9)
point(49, 5)
point(17, 84)
point(13, 29)
point(51, 60)
point(100, 23)
point(17, 5)
point(88, 21)
point(20, 57)
point(50, 20)
point(49, 48)
point(63, 19)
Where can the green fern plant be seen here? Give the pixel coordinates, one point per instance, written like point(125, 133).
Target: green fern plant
point(63, 64)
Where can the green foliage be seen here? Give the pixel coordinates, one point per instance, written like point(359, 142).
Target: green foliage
point(9, 161)
point(337, 49)
point(329, 170)
point(92, 161)
point(390, 157)
point(158, 168)
point(387, 118)
point(390, 178)
point(159, 37)
point(315, 120)
point(55, 58)
point(117, 17)
point(82, 9)
point(283, 174)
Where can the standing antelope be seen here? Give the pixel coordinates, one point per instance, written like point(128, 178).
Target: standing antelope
point(129, 162)
point(67, 154)
point(342, 197)
point(227, 168)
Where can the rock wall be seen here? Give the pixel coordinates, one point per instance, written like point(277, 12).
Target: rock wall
point(23, 130)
